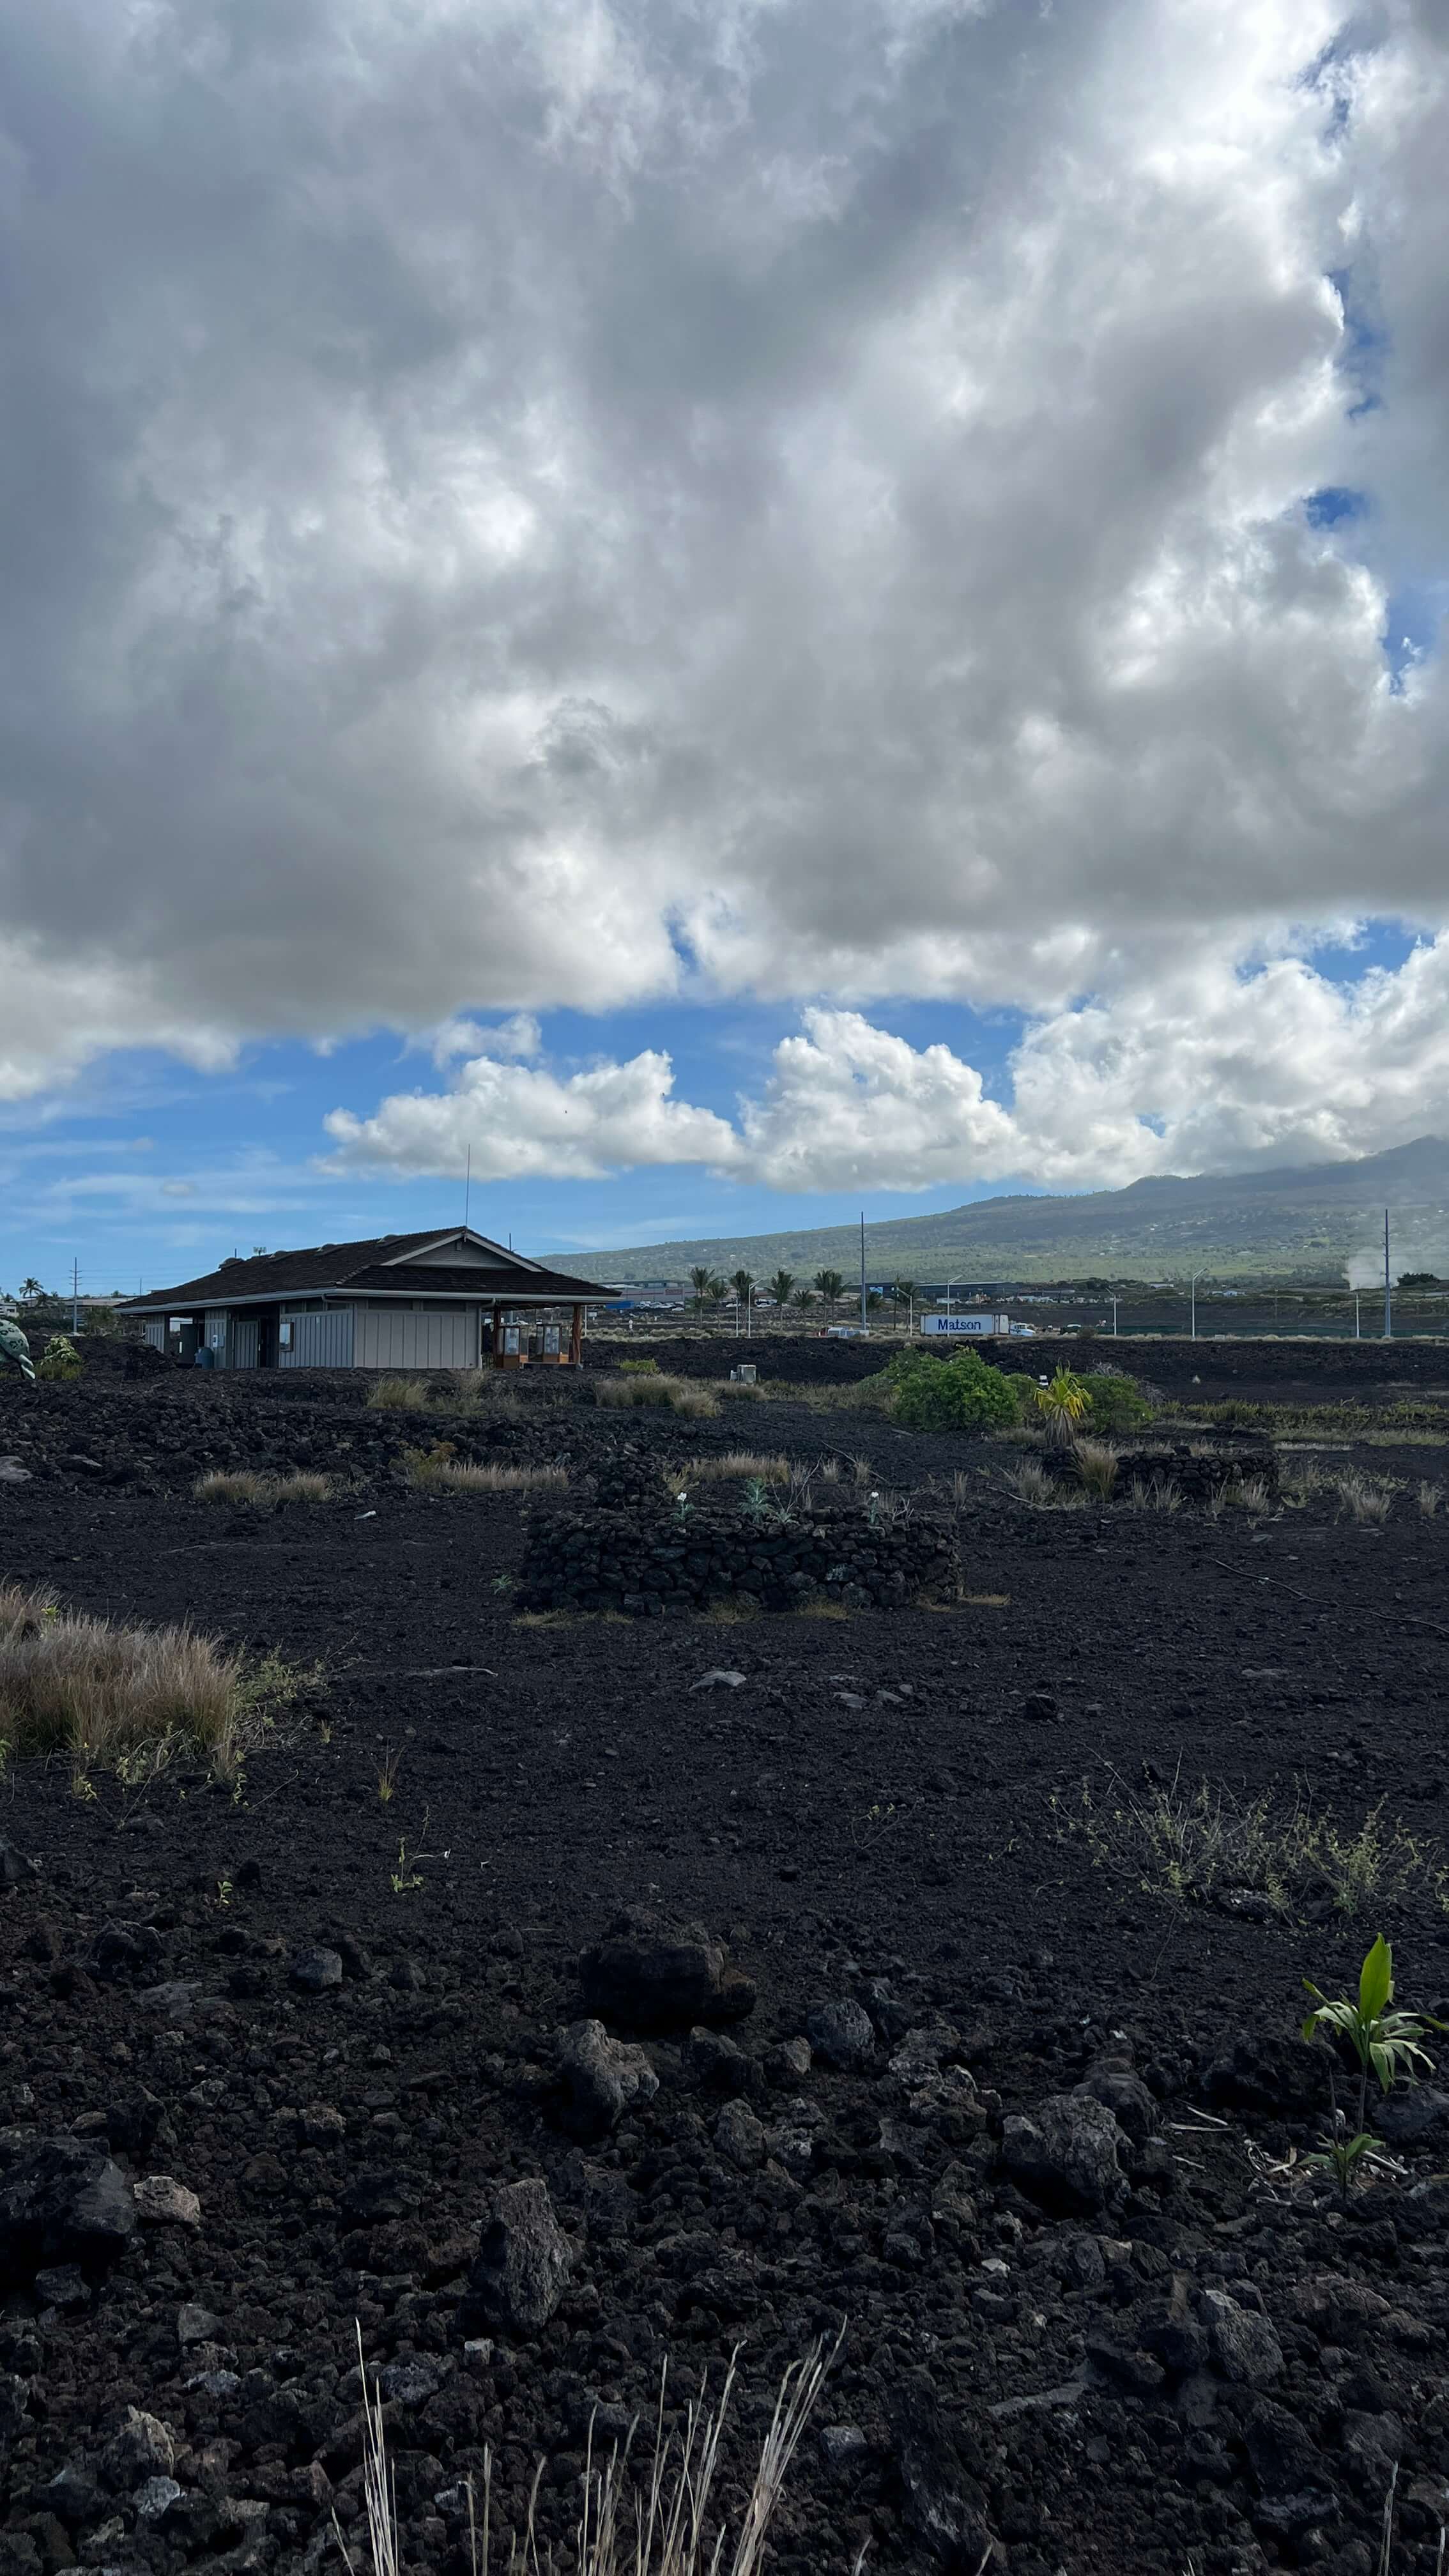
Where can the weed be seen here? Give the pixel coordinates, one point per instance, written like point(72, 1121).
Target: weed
point(659, 2527)
point(639, 1368)
point(70, 1682)
point(829, 1471)
point(1097, 1467)
point(675, 1394)
point(1430, 1498)
point(960, 1489)
point(1250, 1494)
point(755, 1500)
point(387, 1775)
point(735, 1462)
point(501, 1583)
point(438, 1471)
point(1387, 2044)
point(60, 1358)
point(1366, 1498)
point(1030, 1483)
point(404, 1877)
point(398, 1395)
point(246, 1485)
point(224, 1893)
point(1156, 1494)
point(1201, 1845)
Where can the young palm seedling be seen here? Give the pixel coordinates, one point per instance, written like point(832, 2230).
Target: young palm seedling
point(1386, 2043)
point(1064, 1406)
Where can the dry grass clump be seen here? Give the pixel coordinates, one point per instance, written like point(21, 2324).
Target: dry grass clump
point(246, 1485)
point(1365, 1498)
point(1154, 1494)
point(675, 1394)
point(438, 1473)
point(1097, 1467)
point(1200, 1844)
point(1430, 1498)
point(732, 1462)
point(70, 1683)
point(657, 2524)
point(398, 1395)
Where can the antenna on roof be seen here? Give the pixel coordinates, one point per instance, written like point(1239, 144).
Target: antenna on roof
point(467, 1187)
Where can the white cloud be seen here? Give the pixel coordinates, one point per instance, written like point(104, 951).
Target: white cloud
point(517, 1119)
point(1202, 1069)
point(539, 502)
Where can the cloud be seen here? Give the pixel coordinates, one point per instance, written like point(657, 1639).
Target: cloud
point(562, 502)
point(517, 1119)
point(1203, 1069)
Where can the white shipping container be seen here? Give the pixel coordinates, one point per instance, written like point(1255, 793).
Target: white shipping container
point(965, 1327)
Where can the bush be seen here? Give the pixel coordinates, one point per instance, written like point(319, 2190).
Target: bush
point(1116, 1404)
point(640, 1368)
point(963, 1393)
point(60, 1358)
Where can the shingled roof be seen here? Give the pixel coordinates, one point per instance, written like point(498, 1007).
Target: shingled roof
point(379, 1265)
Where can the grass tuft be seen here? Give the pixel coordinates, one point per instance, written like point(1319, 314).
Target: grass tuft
point(1097, 1467)
point(1364, 1498)
point(674, 1394)
point(443, 1475)
point(655, 2525)
point(73, 1684)
point(398, 1395)
point(246, 1485)
point(731, 1462)
point(1200, 1844)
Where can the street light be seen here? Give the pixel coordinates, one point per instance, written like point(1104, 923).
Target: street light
point(950, 1284)
point(1192, 1301)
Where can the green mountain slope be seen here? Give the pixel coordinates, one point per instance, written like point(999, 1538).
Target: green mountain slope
point(1296, 1223)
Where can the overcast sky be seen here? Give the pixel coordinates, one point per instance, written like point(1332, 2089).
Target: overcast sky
point(733, 603)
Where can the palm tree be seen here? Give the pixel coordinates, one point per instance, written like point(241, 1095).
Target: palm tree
point(803, 1298)
point(830, 1284)
point(742, 1282)
point(1064, 1407)
point(781, 1286)
point(717, 1290)
point(699, 1282)
point(903, 1292)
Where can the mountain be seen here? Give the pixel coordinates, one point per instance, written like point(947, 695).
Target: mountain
point(1308, 1223)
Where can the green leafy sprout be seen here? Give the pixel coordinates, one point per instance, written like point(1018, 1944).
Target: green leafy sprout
point(1387, 2043)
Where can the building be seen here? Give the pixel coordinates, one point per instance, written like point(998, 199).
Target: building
point(449, 1299)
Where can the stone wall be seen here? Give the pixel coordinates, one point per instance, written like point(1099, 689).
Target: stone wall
point(647, 1565)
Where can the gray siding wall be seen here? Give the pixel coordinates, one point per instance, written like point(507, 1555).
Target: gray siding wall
point(245, 1341)
point(423, 1337)
point(153, 1330)
point(319, 1340)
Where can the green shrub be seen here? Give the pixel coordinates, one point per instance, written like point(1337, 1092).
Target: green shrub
point(60, 1358)
point(1116, 1404)
point(640, 1368)
point(963, 1393)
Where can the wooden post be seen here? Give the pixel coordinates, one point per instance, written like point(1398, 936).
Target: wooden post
point(576, 1339)
point(498, 1337)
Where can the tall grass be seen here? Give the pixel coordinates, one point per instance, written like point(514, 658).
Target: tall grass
point(398, 1395)
point(1097, 1467)
point(70, 1683)
point(457, 1476)
point(673, 1394)
point(657, 2524)
point(1365, 1498)
point(732, 1462)
point(246, 1485)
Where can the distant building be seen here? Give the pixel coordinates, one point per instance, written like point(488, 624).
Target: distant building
point(453, 1299)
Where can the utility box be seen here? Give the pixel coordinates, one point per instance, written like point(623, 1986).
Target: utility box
point(745, 1374)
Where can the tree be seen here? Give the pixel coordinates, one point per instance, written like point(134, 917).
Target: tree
point(830, 1284)
point(781, 1286)
point(742, 1282)
point(32, 1293)
point(804, 1298)
point(699, 1282)
point(716, 1290)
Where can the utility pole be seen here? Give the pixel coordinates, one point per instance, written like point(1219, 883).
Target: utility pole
point(467, 1187)
point(1192, 1304)
point(1357, 1323)
point(864, 1326)
point(75, 1296)
point(1114, 1319)
point(1388, 1291)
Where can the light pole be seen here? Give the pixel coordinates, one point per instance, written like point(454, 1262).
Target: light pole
point(1388, 1291)
point(1192, 1303)
point(1114, 1319)
point(950, 1284)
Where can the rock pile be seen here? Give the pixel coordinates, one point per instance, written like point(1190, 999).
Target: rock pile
point(648, 1563)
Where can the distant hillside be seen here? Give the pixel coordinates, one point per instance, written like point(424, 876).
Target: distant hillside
point(1304, 1224)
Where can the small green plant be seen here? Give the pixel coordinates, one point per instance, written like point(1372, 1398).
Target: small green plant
point(755, 1500)
point(501, 1583)
point(224, 1892)
point(59, 1359)
point(1064, 1406)
point(404, 1877)
point(639, 1368)
point(387, 1775)
point(1386, 2043)
point(682, 1504)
